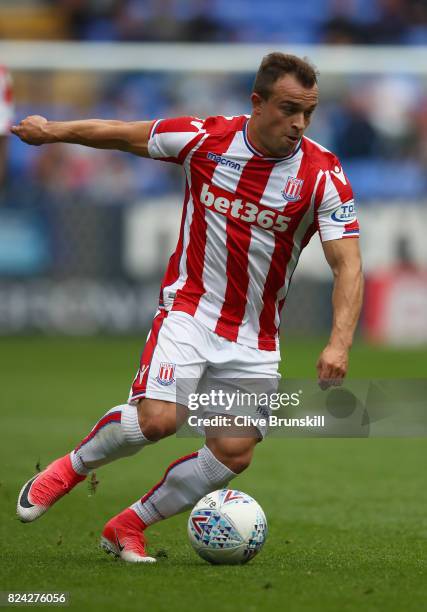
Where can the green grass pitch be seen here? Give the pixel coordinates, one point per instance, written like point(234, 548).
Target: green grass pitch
point(347, 517)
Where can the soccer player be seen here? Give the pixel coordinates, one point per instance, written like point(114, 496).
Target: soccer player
point(256, 191)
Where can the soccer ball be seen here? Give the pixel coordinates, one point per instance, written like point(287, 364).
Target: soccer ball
point(227, 527)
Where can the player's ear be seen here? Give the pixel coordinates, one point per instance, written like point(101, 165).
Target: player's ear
point(257, 102)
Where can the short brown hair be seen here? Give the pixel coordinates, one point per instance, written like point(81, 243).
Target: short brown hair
point(276, 65)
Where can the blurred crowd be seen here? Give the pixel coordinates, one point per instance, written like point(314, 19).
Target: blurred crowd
point(377, 126)
point(293, 21)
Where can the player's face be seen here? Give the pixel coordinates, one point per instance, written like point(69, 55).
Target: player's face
point(281, 120)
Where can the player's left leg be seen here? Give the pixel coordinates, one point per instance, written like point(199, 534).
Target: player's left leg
point(224, 455)
point(185, 481)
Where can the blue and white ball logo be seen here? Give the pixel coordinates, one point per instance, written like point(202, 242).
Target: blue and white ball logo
point(346, 213)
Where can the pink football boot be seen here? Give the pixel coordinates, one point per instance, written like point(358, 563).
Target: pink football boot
point(43, 490)
point(123, 536)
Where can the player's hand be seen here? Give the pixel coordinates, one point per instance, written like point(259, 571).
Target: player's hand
point(332, 366)
point(32, 130)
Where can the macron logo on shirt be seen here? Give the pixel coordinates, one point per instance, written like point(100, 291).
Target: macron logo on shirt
point(218, 159)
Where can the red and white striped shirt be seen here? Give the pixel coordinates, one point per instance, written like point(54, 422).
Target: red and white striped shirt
point(6, 104)
point(245, 221)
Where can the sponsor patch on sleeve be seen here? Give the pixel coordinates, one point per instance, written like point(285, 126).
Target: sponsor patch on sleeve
point(346, 213)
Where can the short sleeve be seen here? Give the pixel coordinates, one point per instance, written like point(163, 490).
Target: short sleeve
point(6, 104)
point(336, 214)
point(172, 139)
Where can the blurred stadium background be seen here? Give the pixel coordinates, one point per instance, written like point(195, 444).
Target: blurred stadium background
point(85, 234)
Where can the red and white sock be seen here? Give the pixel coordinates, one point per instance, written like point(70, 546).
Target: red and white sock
point(117, 434)
point(185, 481)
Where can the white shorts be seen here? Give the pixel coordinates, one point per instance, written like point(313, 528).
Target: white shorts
point(180, 352)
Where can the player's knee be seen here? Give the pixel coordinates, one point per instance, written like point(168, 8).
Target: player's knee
point(157, 419)
point(236, 455)
point(238, 463)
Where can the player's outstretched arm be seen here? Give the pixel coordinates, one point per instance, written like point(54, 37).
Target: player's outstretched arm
point(98, 133)
point(344, 258)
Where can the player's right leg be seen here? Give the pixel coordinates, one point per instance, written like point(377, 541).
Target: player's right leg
point(117, 434)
